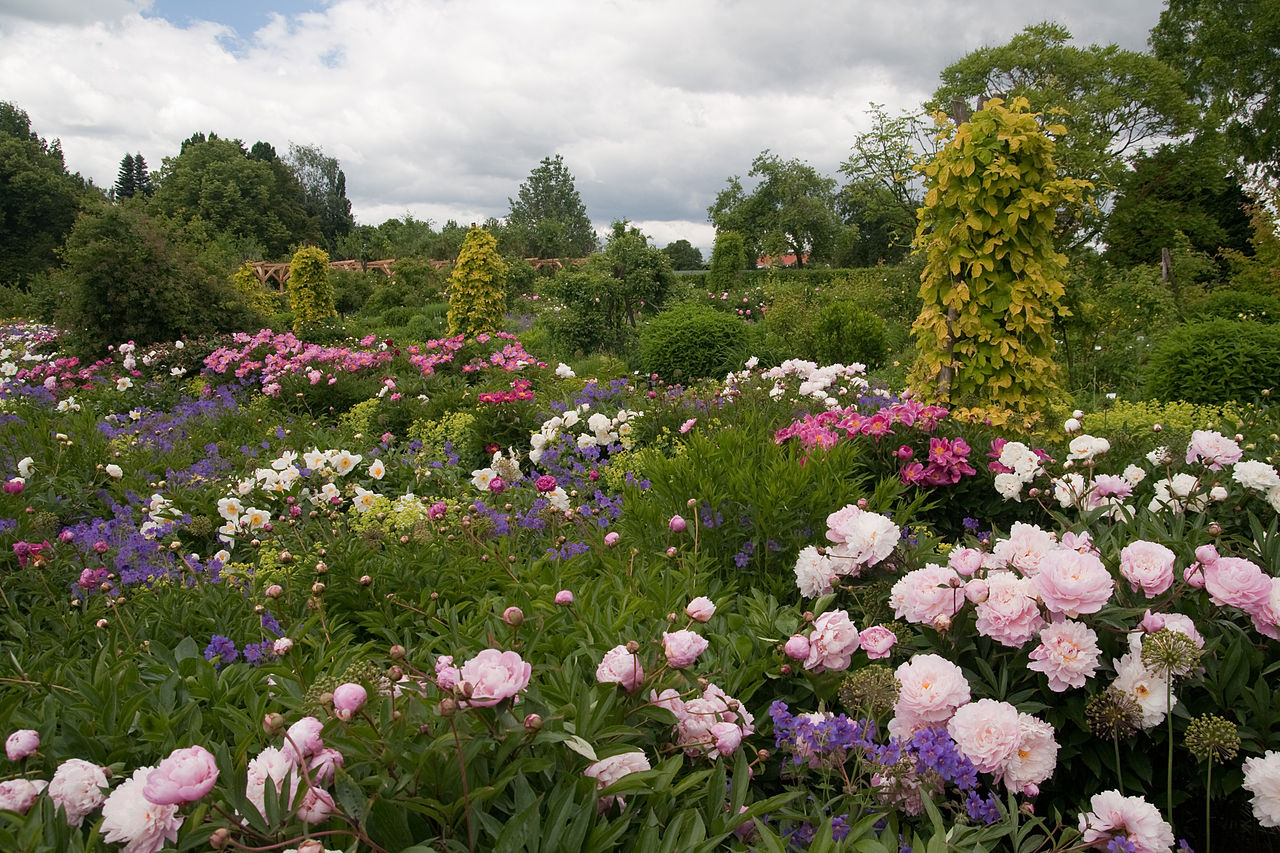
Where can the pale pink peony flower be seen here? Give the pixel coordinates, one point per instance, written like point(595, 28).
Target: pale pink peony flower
point(282, 646)
point(695, 724)
point(513, 616)
point(76, 787)
point(877, 641)
point(1147, 566)
point(1113, 815)
point(316, 806)
point(1213, 449)
point(727, 738)
point(1234, 581)
point(682, 648)
point(924, 595)
point(987, 733)
point(130, 818)
point(447, 675)
point(564, 598)
point(1262, 779)
point(1035, 758)
point(270, 765)
point(1068, 653)
point(797, 647)
point(1072, 583)
point(303, 739)
point(1009, 613)
point(348, 699)
point(1267, 620)
point(324, 766)
point(965, 561)
point(606, 771)
point(832, 642)
point(1023, 549)
point(863, 538)
point(611, 538)
point(620, 666)
point(184, 776)
point(669, 699)
point(1150, 690)
point(814, 572)
point(21, 744)
point(494, 676)
point(700, 609)
point(932, 687)
point(1183, 624)
point(17, 795)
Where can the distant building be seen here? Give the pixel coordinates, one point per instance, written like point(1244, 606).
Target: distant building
point(787, 261)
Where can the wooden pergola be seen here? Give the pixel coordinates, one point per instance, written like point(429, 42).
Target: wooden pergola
point(278, 274)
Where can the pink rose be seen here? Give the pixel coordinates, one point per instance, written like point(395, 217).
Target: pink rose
point(348, 699)
point(797, 647)
point(987, 732)
point(620, 666)
point(1072, 583)
point(184, 777)
point(700, 609)
point(494, 676)
point(832, 642)
point(22, 743)
point(682, 648)
point(877, 641)
point(17, 795)
point(1147, 566)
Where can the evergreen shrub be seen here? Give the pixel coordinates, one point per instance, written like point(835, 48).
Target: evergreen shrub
point(690, 342)
point(1217, 361)
point(845, 333)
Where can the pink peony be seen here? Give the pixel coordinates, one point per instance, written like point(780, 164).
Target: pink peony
point(1072, 583)
point(877, 641)
point(677, 524)
point(620, 666)
point(700, 609)
point(815, 572)
point(1009, 613)
point(17, 795)
point(324, 766)
point(564, 598)
point(832, 642)
point(727, 738)
point(1023, 549)
point(494, 676)
point(611, 538)
point(862, 538)
point(348, 699)
point(1147, 566)
point(932, 687)
point(76, 788)
point(1212, 449)
point(923, 596)
point(1035, 758)
point(129, 817)
point(987, 733)
point(303, 739)
point(697, 719)
point(316, 806)
point(1262, 779)
point(1237, 582)
point(965, 561)
point(270, 765)
point(1068, 653)
point(1113, 815)
point(682, 648)
point(513, 616)
point(797, 647)
point(447, 675)
point(606, 771)
point(21, 744)
point(184, 777)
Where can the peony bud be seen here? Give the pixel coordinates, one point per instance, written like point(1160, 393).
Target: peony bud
point(564, 598)
point(797, 647)
point(273, 723)
point(274, 591)
point(677, 524)
point(348, 699)
point(513, 616)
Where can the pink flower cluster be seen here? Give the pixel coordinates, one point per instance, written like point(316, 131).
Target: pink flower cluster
point(521, 389)
point(711, 724)
point(828, 428)
point(302, 758)
point(486, 679)
point(273, 357)
point(1112, 815)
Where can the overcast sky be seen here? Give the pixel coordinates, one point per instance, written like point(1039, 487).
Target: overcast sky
point(440, 108)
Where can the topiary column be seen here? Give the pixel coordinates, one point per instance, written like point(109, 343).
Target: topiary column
point(992, 279)
point(477, 286)
point(310, 295)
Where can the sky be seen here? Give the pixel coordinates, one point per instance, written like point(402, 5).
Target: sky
point(441, 108)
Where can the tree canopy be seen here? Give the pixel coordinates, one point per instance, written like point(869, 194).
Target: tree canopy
point(683, 255)
point(324, 191)
point(549, 214)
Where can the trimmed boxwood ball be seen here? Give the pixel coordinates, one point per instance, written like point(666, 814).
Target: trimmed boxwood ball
point(1215, 362)
point(845, 333)
point(690, 342)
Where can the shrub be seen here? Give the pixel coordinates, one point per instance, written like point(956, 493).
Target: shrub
point(690, 342)
point(310, 294)
point(1239, 305)
point(845, 333)
point(1215, 362)
point(728, 261)
point(250, 290)
point(477, 286)
point(351, 289)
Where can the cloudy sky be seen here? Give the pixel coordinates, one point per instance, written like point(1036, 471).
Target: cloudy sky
point(440, 108)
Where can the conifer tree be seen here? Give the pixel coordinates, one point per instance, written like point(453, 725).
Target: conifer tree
point(126, 181)
point(141, 176)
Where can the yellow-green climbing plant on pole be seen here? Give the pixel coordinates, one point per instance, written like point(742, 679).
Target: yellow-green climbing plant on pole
point(992, 279)
point(310, 296)
point(477, 286)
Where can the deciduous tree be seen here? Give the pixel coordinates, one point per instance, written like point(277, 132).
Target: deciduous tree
point(790, 209)
point(550, 215)
point(324, 191)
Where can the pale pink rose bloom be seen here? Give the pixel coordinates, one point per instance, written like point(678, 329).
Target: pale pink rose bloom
point(682, 648)
point(1262, 779)
point(620, 666)
point(1072, 583)
point(1113, 815)
point(324, 766)
point(877, 641)
point(1023, 549)
point(17, 795)
point(1035, 758)
point(184, 776)
point(797, 647)
point(1009, 614)
point(922, 596)
point(316, 806)
point(863, 538)
point(76, 787)
point(832, 642)
point(987, 733)
point(129, 818)
point(494, 676)
point(932, 687)
point(814, 572)
point(270, 765)
point(348, 699)
point(22, 743)
point(965, 561)
point(1213, 449)
point(303, 739)
point(447, 675)
point(700, 609)
point(1147, 566)
point(606, 771)
point(1068, 653)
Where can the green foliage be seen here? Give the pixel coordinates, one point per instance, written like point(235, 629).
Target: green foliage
point(548, 216)
point(683, 255)
point(845, 333)
point(477, 286)
point(789, 210)
point(728, 260)
point(1260, 272)
point(244, 281)
point(689, 342)
point(1238, 305)
point(1215, 362)
point(352, 289)
point(884, 189)
point(992, 280)
point(310, 294)
point(323, 193)
point(419, 275)
point(456, 429)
